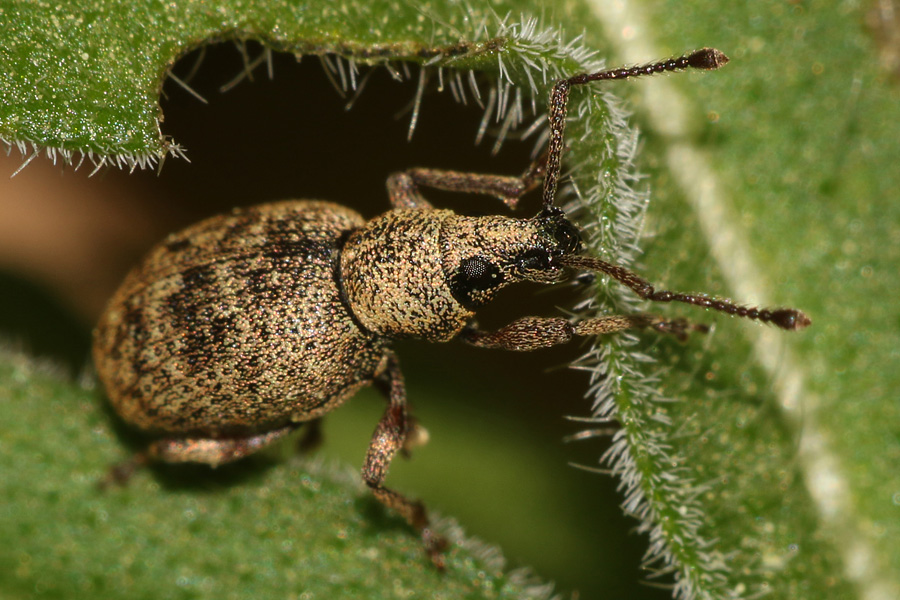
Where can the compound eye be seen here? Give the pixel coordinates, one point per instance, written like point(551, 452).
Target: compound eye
point(474, 280)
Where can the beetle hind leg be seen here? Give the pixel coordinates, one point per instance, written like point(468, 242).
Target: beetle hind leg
point(205, 450)
point(214, 451)
point(390, 436)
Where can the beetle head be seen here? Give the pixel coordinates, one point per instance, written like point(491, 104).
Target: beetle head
point(482, 255)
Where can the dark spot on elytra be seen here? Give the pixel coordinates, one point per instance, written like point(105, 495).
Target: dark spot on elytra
point(220, 327)
point(198, 277)
point(134, 321)
point(195, 314)
point(151, 409)
point(178, 245)
point(398, 416)
point(132, 331)
point(257, 281)
point(308, 250)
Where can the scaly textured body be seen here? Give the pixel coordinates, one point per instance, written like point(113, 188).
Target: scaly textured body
point(236, 325)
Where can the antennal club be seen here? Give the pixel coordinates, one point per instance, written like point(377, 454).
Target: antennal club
point(707, 59)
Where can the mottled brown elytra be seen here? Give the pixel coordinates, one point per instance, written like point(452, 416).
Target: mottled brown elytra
point(237, 330)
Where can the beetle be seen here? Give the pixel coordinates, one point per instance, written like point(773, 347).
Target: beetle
point(237, 330)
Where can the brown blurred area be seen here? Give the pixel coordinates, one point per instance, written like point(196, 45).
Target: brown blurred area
point(71, 234)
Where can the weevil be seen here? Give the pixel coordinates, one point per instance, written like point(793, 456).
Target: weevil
point(234, 332)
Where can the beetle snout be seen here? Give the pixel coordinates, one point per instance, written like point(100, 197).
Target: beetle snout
point(564, 236)
point(567, 237)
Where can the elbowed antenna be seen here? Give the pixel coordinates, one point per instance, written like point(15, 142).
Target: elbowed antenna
point(707, 59)
point(785, 318)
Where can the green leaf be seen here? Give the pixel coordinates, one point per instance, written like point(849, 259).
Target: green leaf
point(84, 78)
point(773, 471)
point(186, 533)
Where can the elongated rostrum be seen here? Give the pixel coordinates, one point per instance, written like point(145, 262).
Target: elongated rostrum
point(239, 329)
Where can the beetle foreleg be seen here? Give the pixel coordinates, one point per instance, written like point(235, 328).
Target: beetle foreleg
point(533, 333)
point(389, 437)
point(527, 333)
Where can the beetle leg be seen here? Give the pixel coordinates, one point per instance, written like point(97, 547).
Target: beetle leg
point(389, 437)
point(210, 451)
point(416, 435)
point(213, 451)
point(533, 333)
point(403, 187)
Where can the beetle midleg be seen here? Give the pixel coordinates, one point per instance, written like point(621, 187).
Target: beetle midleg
point(389, 437)
point(214, 451)
point(403, 187)
point(533, 333)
